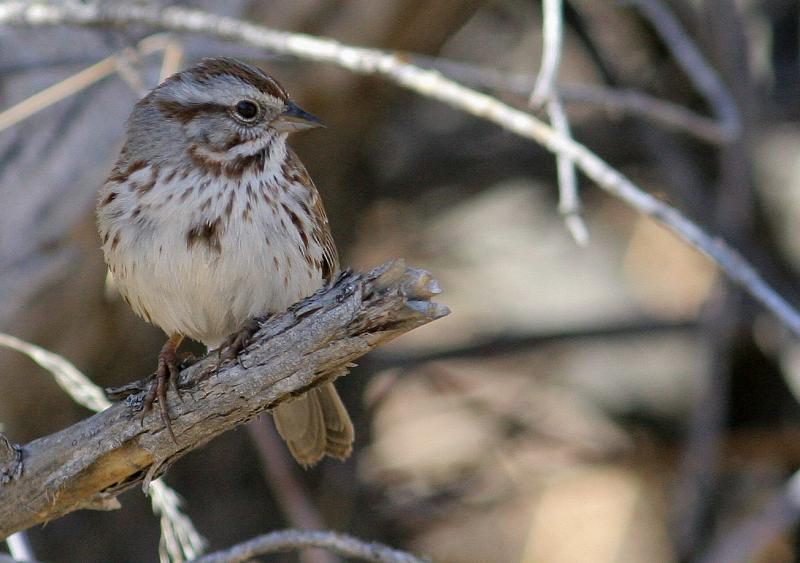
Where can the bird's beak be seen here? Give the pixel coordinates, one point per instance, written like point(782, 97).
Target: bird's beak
point(295, 119)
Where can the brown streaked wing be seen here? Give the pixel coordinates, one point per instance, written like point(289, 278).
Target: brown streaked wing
point(321, 232)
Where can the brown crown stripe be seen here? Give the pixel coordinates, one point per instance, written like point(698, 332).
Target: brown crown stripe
point(221, 66)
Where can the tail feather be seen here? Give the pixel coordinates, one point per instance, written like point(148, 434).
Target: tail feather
point(315, 425)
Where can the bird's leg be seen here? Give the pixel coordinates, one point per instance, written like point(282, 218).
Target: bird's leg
point(168, 369)
point(228, 350)
point(238, 341)
point(142, 385)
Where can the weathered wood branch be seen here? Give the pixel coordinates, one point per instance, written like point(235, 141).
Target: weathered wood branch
point(10, 460)
point(88, 464)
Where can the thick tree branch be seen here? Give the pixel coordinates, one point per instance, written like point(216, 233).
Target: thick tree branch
point(88, 464)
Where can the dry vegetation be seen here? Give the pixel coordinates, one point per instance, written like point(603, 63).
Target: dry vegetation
point(602, 391)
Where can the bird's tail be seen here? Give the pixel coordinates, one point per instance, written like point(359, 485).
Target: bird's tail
point(315, 425)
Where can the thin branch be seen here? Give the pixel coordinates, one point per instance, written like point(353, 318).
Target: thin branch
point(19, 547)
point(88, 464)
point(118, 63)
point(552, 38)
point(662, 112)
point(179, 539)
point(79, 387)
point(427, 83)
point(507, 344)
point(569, 204)
point(290, 540)
point(702, 75)
point(172, 60)
point(280, 474)
point(545, 93)
point(611, 100)
point(744, 541)
point(57, 92)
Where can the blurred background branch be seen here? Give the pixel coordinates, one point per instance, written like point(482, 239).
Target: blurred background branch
point(437, 87)
point(286, 540)
point(625, 402)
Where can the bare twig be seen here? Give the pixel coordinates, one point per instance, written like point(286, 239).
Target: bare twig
point(744, 541)
point(179, 539)
point(67, 87)
point(702, 75)
point(292, 498)
point(173, 58)
point(611, 100)
point(19, 547)
point(426, 83)
point(698, 471)
point(88, 464)
point(569, 204)
point(516, 343)
point(128, 69)
point(552, 38)
point(118, 63)
point(79, 387)
point(545, 93)
point(290, 540)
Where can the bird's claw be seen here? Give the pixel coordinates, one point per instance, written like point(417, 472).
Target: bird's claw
point(167, 373)
point(237, 342)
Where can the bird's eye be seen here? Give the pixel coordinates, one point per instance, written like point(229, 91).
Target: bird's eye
point(246, 110)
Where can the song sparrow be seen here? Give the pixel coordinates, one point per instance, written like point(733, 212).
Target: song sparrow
point(209, 219)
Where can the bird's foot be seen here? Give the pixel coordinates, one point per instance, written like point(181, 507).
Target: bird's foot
point(168, 371)
point(238, 341)
point(229, 350)
point(155, 386)
point(122, 392)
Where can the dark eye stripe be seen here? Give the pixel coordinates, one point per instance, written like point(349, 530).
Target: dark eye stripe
point(186, 112)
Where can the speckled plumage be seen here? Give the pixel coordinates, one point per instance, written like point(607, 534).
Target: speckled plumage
point(209, 219)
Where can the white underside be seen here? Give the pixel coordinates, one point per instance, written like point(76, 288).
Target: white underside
point(193, 289)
